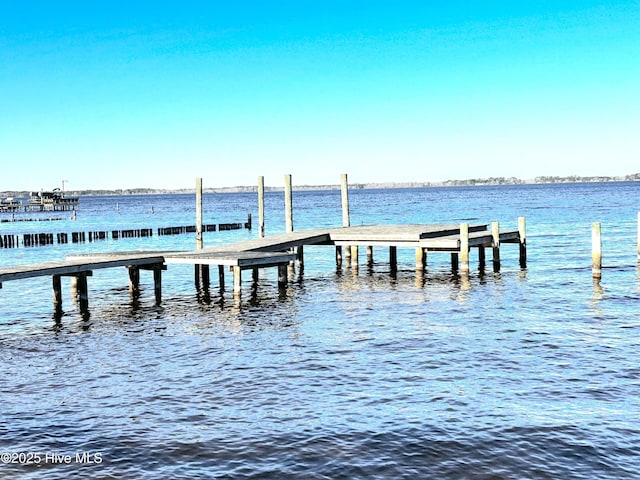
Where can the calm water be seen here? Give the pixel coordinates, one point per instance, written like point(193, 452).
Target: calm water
point(347, 374)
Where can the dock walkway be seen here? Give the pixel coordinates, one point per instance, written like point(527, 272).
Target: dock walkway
point(280, 251)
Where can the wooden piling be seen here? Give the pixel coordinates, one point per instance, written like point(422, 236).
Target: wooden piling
point(283, 276)
point(221, 277)
point(237, 281)
point(596, 250)
point(261, 206)
point(481, 258)
point(354, 256)
point(82, 290)
point(495, 233)
point(338, 256)
point(134, 278)
point(199, 213)
point(369, 254)
point(522, 230)
point(157, 282)
point(57, 293)
point(421, 259)
point(344, 190)
point(205, 277)
point(288, 203)
point(393, 258)
point(464, 247)
point(199, 269)
point(346, 221)
point(300, 257)
point(454, 261)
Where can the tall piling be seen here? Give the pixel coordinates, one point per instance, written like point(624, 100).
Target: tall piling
point(199, 213)
point(261, 206)
point(522, 230)
point(596, 250)
point(464, 247)
point(288, 203)
point(495, 244)
point(201, 271)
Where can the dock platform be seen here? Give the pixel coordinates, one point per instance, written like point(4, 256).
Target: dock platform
point(281, 251)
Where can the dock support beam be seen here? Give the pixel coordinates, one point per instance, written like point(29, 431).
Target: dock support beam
point(283, 275)
point(482, 262)
point(393, 258)
point(202, 276)
point(596, 250)
point(354, 255)
point(369, 254)
point(82, 290)
point(261, 206)
point(522, 230)
point(157, 282)
point(57, 293)
point(221, 277)
point(300, 257)
point(134, 278)
point(421, 259)
point(338, 256)
point(237, 281)
point(495, 233)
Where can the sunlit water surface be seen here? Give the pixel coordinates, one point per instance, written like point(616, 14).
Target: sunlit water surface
point(364, 373)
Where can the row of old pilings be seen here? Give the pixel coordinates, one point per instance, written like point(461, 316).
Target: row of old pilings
point(41, 239)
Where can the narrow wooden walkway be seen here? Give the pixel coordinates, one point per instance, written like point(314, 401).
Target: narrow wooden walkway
point(279, 251)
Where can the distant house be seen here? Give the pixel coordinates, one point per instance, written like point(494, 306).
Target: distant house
point(53, 201)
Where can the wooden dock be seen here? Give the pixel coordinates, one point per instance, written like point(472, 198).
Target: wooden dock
point(281, 251)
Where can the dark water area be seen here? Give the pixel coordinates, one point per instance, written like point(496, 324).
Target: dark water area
point(367, 373)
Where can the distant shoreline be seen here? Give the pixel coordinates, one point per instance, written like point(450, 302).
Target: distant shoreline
point(373, 185)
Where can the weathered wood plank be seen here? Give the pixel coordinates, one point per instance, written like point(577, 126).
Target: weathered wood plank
point(233, 259)
point(73, 266)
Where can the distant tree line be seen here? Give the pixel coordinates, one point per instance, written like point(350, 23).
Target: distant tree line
point(446, 183)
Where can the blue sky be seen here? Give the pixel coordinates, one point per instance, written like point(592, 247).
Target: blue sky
point(110, 94)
